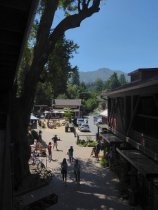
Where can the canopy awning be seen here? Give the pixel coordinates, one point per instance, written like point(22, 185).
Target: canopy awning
point(33, 117)
point(62, 111)
point(104, 113)
point(110, 138)
point(140, 161)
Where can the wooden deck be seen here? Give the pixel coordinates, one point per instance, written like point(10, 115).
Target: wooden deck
point(110, 138)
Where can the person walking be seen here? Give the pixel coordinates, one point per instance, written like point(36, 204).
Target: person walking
point(49, 151)
point(39, 136)
point(64, 167)
point(70, 153)
point(55, 144)
point(77, 171)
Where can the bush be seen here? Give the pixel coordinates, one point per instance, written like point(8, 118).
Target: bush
point(88, 143)
point(91, 143)
point(104, 162)
point(81, 142)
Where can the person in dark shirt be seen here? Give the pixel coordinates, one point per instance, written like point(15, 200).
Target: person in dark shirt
point(64, 167)
point(50, 151)
point(55, 144)
point(70, 153)
point(77, 171)
point(40, 136)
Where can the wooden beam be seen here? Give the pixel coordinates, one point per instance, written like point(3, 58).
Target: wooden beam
point(133, 115)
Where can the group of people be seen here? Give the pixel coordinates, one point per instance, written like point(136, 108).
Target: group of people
point(96, 150)
point(76, 168)
point(64, 165)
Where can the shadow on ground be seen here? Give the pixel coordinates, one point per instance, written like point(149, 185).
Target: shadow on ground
point(96, 191)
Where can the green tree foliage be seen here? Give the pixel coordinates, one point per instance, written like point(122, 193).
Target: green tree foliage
point(74, 76)
point(122, 79)
point(82, 87)
point(113, 82)
point(57, 69)
point(72, 91)
point(44, 93)
point(85, 95)
point(83, 91)
point(58, 66)
point(90, 104)
point(68, 114)
point(62, 96)
point(99, 85)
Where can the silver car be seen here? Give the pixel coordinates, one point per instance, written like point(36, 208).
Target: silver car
point(84, 128)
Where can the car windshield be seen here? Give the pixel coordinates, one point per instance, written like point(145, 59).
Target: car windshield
point(79, 121)
point(84, 125)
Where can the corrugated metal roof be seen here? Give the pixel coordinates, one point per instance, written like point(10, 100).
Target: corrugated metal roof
point(67, 102)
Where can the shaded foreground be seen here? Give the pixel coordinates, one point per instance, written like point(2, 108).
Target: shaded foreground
point(98, 187)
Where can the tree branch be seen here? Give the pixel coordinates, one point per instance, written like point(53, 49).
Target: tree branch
point(88, 2)
point(40, 56)
point(79, 8)
point(45, 25)
point(72, 21)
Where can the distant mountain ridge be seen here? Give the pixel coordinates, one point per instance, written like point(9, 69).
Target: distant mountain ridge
point(102, 73)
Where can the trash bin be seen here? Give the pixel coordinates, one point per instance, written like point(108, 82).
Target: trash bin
point(71, 129)
point(66, 128)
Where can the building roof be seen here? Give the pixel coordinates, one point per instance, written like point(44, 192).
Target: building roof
point(67, 102)
point(142, 86)
point(143, 70)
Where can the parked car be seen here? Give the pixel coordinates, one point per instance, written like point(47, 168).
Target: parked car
point(80, 121)
point(84, 128)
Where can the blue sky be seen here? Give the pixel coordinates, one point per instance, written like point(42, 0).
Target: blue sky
point(122, 36)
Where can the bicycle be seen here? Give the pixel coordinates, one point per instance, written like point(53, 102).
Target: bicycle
point(36, 164)
point(38, 167)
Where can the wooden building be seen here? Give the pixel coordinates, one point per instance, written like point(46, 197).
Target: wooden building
point(59, 105)
point(15, 20)
point(133, 128)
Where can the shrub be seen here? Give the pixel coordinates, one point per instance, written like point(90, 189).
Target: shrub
point(87, 143)
point(104, 162)
point(91, 143)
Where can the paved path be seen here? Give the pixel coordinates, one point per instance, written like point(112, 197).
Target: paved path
point(97, 190)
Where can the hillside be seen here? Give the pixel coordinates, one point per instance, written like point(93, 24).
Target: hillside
point(103, 74)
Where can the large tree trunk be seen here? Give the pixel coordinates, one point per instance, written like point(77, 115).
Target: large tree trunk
point(21, 152)
point(20, 108)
